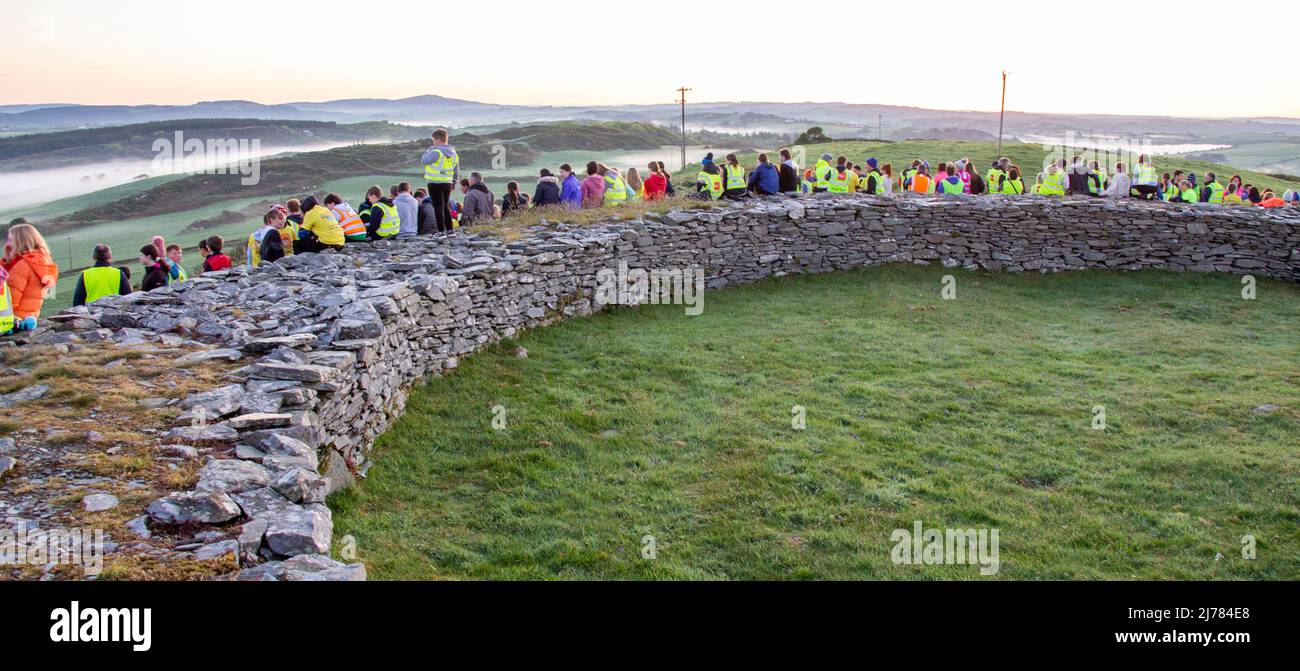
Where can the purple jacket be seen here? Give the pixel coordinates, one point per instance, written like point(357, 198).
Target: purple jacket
point(571, 193)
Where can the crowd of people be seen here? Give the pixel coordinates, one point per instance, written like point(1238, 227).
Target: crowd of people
point(28, 273)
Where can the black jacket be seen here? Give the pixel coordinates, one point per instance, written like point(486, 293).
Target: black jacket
point(427, 222)
point(789, 178)
point(547, 192)
point(272, 247)
point(977, 185)
point(154, 277)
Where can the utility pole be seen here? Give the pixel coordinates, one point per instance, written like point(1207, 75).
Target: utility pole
point(1002, 112)
point(683, 91)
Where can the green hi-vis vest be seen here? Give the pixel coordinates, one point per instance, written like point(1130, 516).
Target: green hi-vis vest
point(6, 310)
point(1094, 183)
point(994, 178)
point(822, 174)
point(1216, 192)
point(443, 169)
point(909, 174)
point(1145, 175)
point(615, 189)
point(713, 181)
point(1192, 195)
point(805, 186)
point(1053, 184)
point(1013, 186)
point(735, 177)
point(180, 276)
point(392, 221)
point(101, 281)
point(947, 187)
point(867, 180)
point(838, 181)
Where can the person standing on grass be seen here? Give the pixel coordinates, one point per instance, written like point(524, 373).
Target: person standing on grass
point(101, 279)
point(656, 185)
point(442, 172)
point(155, 274)
point(571, 194)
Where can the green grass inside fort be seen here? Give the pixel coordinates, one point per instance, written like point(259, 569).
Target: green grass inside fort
point(968, 413)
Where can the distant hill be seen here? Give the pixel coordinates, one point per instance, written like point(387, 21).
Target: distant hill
point(135, 141)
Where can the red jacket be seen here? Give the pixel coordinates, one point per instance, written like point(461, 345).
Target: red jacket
point(655, 186)
point(30, 275)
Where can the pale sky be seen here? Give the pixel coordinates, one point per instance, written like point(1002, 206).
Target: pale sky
point(945, 55)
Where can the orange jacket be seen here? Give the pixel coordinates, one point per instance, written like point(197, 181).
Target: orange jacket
point(1273, 202)
point(29, 276)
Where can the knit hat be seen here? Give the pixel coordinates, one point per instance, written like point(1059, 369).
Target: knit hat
point(872, 162)
point(827, 157)
point(708, 159)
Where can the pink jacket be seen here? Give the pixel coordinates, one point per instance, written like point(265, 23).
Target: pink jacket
point(593, 191)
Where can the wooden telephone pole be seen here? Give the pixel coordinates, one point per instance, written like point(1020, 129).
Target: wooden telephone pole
point(682, 91)
point(1002, 112)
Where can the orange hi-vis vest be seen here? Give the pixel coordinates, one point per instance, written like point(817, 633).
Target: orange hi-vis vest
point(921, 183)
point(349, 220)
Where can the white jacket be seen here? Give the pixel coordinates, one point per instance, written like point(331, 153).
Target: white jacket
point(1120, 183)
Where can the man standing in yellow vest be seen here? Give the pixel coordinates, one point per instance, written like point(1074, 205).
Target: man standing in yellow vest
point(442, 172)
point(822, 174)
point(101, 279)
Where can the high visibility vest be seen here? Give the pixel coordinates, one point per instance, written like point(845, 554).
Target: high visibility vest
point(921, 183)
point(909, 174)
point(101, 281)
point(1192, 195)
point(965, 181)
point(713, 181)
point(392, 221)
point(867, 180)
point(288, 234)
point(7, 309)
point(615, 189)
point(1053, 184)
point(349, 220)
point(805, 185)
point(947, 186)
point(1216, 192)
point(1094, 183)
point(253, 250)
point(735, 176)
point(838, 181)
point(821, 174)
point(443, 168)
point(994, 179)
point(180, 276)
point(1231, 198)
point(1145, 175)
point(1013, 186)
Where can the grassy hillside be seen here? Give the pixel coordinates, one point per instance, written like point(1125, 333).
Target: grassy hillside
point(1028, 156)
point(588, 136)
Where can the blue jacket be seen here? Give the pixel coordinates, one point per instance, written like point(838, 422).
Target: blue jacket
point(765, 179)
point(571, 192)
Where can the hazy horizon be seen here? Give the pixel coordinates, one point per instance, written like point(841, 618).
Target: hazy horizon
point(948, 58)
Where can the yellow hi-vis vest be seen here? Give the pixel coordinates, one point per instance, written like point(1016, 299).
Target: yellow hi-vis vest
point(7, 309)
point(1216, 192)
point(821, 174)
point(615, 189)
point(392, 221)
point(443, 168)
point(713, 181)
point(101, 281)
point(1053, 184)
point(947, 187)
point(994, 179)
point(735, 176)
point(1013, 186)
point(1145, 175)
point(838, 181)
point(181, 276)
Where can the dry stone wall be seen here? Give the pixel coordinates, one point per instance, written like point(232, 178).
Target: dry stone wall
point(330, 343)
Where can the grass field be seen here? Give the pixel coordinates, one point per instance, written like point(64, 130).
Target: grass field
point(969, 413)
